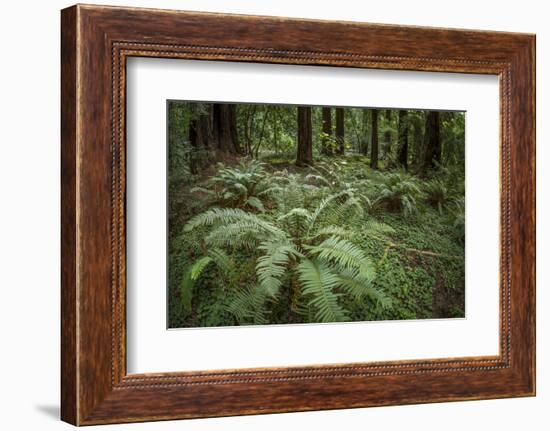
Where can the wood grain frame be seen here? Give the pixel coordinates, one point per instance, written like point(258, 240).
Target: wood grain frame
point(95, 44)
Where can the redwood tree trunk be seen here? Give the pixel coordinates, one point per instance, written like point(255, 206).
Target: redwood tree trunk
point(403, 139)
point(199, 137)
point(364, 132)
point(326, 144)
point(432, 142)
point(340, 131)
point(387, 133)
point(224, 120)
point(304, 156)
point(374, 140)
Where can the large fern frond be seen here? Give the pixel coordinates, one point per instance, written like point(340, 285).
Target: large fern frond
point(322, 207)
point(248, 305)
point(271, 267)
point(343, 253)
point(199, 266)
point(231, 215)
point(241, 234)
point(318, 282)
point(373, 227)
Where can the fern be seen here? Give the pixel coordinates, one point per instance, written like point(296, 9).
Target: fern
point(271, 267)
point(230, 215)
point(360, 285)
point(322, 207)
point(237, 235)
point(248, 305)
point(343, 253)
point(318, 282)
point(335, 231)
point(398, 192)
point(186, 291)
point(199, 266)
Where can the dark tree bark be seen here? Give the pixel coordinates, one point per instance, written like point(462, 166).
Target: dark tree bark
point(364, 131)
point(304, 156)
point(432, 142)
point(374, 140)
point(403, 140)
point(248, 128)
point(199, 138)
point(387, 133)
point(326, 144)
point(418, 141)
point(340, 131)
point(224, 125)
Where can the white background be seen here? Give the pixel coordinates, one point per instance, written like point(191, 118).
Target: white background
point(151, 348)
point(29, 228)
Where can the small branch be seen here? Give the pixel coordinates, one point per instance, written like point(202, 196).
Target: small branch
point(426, 252)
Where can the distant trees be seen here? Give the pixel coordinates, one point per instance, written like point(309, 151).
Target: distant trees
point(304, 154)
point(415, 140)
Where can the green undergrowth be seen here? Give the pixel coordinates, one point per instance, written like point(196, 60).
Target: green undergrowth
point(270, 243)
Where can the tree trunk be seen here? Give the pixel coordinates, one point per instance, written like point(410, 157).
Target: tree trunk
point(248, 128)
point(418, 142)
point(432, 142)
point(199, 136)
point(374, 140)
point(403, 139)
point(340, 131)
point(326, 142)
point(387, 133)
point(262, 130)
point(224, 127)
point(304, 156)
point(364, 132)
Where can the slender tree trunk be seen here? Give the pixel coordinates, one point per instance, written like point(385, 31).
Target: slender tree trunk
point(418, 143)
point(364, 133)
point(374, 140)
point(432, 142)
point(403, 139)
point(199, 137)
point(225, 128)
point(262, 130)
point(340, 131)
point(326, 144)
point(304, 156)
point(387, 133)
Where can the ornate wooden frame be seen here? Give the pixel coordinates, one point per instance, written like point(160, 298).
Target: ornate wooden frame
point(95, 43)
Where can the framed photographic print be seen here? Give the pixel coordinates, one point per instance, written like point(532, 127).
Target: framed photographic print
point(266, 215)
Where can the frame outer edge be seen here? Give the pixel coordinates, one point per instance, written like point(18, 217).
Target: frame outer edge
point(523, 217)
point(69, 202)
point(88, 397)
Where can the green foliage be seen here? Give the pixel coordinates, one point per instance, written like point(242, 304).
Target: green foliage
point(398, 192)
point(318, 283)
point(261, 242)
point(437, 194)
point(305, 255)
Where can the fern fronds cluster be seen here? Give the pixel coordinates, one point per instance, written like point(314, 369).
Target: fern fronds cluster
point(274, 241)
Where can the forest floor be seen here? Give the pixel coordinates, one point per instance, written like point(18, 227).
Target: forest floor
point(418, 258)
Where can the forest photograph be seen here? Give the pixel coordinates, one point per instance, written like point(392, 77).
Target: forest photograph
point(284, 214)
